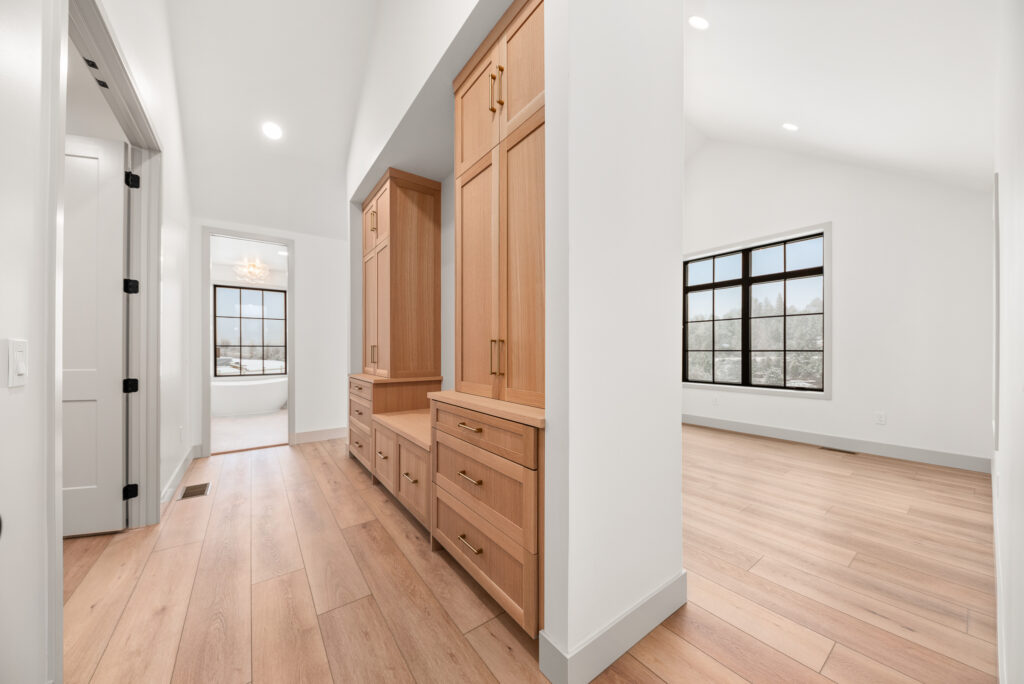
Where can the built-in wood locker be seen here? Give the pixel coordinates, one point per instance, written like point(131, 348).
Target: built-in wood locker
point(499, 215)
point(401, 277)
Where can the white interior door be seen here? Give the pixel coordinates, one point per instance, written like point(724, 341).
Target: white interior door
point(94, 335)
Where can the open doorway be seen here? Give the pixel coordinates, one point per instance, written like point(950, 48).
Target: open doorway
point(249, 376)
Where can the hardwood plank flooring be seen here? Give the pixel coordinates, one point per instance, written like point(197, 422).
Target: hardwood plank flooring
point(805, 565)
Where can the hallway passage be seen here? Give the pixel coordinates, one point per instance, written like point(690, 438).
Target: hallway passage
point(804, 565)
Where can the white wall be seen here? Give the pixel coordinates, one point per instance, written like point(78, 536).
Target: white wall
point(319, 353)
point(911, 301)
point(28, 81)
point(1008, 462)
point(613, 532)
point(141, 33)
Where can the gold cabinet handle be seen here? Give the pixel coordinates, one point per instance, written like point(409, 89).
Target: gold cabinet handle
point(464, 476)
point(490, 359)
point(501, 71)
point(358, 412)
point(373, 353)
point(406, 476)
point(462, 538)
point(359, 445)
point(471, 428)
point(490, 102)
point(358, 387)
point(382, 456)
point(373, 221)
point(501, 353)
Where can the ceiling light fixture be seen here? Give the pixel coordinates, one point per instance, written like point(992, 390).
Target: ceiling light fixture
point(252, 271)
point(791, 127)
point(699, 23)
point(272, 130)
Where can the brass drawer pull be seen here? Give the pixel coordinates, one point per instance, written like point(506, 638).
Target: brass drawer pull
point(358, 412)
point(490, 102)
point(462, 538)
point(463, 475)
point(359, 445)
point(358, 387)
point(471, 429)
point(490, 357)
point(382, 456)
point(373, 221)
point(501, 71)
point(406, 476)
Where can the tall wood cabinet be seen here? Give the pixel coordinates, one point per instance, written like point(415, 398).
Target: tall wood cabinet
point(402, 277)
point(499, 214)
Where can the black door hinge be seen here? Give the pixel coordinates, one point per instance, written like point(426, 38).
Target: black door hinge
point(130, 385)
point(129, 492)
point(132, 180)
point(131, 286)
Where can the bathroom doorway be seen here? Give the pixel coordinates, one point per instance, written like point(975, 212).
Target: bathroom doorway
point(249, 320)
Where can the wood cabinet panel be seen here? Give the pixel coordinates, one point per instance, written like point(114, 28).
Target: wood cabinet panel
point(360, 444)
point(476, 114)
point(501, 492)
point(414, 479)
point(383, 207)
point(385, 459)
point(382, 358)
point(520, 68)
point(369, 234)
point(476, 273)
point(506, 570)
point(508, 439)
point(370, 313)
point(361, 390)
point(360, 412)
point(521, 338)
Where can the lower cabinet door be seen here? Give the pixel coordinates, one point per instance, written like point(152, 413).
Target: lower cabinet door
point(505, 569)
point(414, 479)
point(360, 445)
point(385, 459)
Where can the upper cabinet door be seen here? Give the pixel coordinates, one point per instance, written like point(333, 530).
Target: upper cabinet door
point(383, 207)
point(476, 114)
point(369, 228)
point(476, 279)
point(383, 291)
point(520, 68)
point(521, 339)
point(370, 313)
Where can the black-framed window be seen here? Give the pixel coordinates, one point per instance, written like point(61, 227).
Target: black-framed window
point(755, 317)
point(250, 335)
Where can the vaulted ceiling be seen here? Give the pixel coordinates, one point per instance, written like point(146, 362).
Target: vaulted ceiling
point(904, 83)
point(298, 63)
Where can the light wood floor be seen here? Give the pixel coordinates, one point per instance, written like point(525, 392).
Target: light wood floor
point(235, 433)
point(804, 565)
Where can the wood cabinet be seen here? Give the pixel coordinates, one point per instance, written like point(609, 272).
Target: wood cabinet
point(499, 213)
point(488, 460)
point(402, 277)
point(401, 459)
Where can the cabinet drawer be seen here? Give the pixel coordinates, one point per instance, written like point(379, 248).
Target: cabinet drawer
point(360, 445)
point(414, 479)
point(501, 492)
point(514, 441)
point(360, 412)
point(360, 389)
point(506, 570)
point(385, 459)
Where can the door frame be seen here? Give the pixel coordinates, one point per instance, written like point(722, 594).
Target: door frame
point(84, 22)
point(212, 229)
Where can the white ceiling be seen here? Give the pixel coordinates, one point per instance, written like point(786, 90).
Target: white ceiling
point(298, 63)
point(227, 251)
point(902, 83)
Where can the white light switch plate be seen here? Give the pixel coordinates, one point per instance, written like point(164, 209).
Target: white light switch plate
point(17, 362)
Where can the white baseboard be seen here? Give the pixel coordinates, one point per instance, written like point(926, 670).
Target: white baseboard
point(904, 453)
point(179, 473)
point(608, 645)
point(321, 435)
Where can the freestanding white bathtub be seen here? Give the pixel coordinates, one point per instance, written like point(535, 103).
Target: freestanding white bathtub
point(241, 396)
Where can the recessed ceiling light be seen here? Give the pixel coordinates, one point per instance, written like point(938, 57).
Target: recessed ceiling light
point(272, 130)
point(700, 23)
point(283, 253)
point(791, 127)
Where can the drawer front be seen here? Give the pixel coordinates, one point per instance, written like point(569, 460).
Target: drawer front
point(360, 389)
point(360, 445)
point(514, 441)
point(414, 479)
point(506, 570)
point(360, 412)
point(501, 492)
point(385, 459)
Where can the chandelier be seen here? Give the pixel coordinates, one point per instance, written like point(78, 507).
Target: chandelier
point(252, 271)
